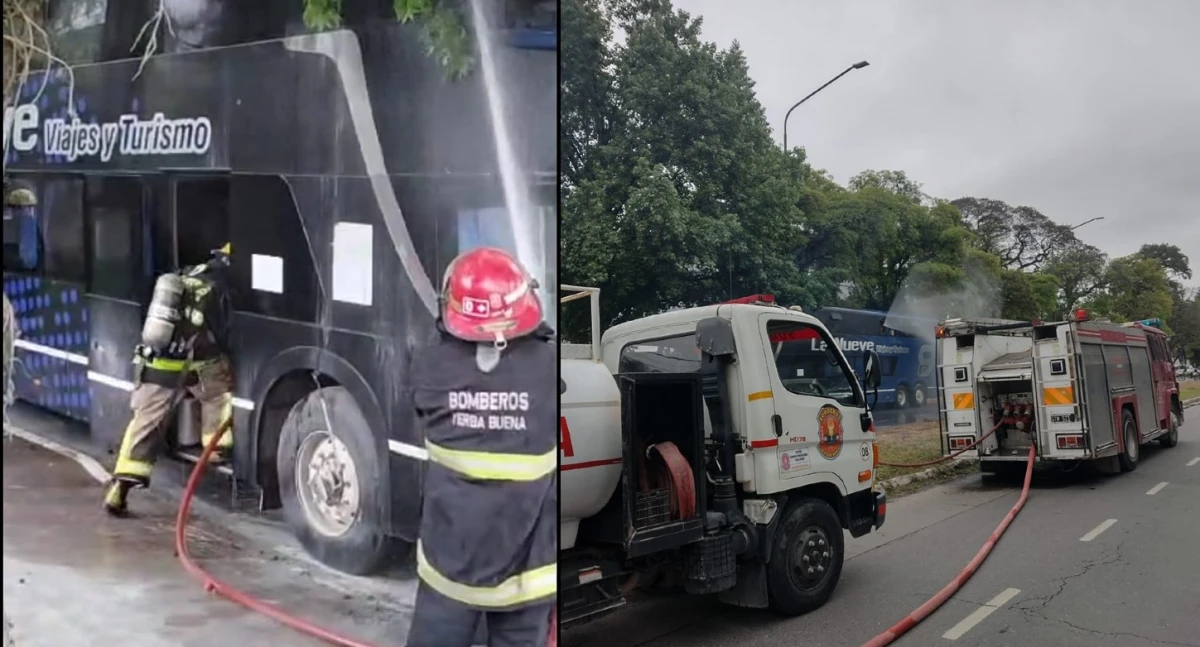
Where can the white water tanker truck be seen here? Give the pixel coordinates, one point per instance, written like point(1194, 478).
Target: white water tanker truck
point(726, 447)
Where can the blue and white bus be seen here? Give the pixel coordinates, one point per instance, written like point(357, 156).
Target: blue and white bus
point(907, 357)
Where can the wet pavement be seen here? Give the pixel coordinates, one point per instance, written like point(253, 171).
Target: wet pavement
point(73, 577)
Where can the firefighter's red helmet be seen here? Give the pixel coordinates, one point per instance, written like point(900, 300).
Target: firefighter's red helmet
point(488, 296)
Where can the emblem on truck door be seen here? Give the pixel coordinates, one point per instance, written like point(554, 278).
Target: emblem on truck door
point(829, 421)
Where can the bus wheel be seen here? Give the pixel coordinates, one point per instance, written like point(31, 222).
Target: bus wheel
point(1132, 448)
point(919, 395)
point(902, 397)
point(806, 557)
point(330, 484)
point(1171, 438)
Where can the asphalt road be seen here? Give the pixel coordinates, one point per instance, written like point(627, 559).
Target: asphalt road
point(1134, 583)
point(75, 578)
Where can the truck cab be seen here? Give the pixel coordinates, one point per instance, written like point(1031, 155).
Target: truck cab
point(747, 450)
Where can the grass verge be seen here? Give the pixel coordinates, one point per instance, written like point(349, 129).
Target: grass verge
point(950, 472)
point(916, 443)
point(1189, 389)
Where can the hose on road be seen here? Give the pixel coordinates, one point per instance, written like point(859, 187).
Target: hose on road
point(213, 585)
point(946, 458)
point(931, 605)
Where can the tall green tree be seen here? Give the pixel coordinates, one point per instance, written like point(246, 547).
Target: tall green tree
point(1022, 237)
point(896, 182)
point(883, 234)
point(1185, 323)
point(1138, 289)
point(674, 191)
point(1080, 273)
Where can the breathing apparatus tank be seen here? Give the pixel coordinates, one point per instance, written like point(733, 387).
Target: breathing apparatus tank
point(163, 313)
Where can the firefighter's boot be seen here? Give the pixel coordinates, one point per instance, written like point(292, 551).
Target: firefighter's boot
point(116, 497)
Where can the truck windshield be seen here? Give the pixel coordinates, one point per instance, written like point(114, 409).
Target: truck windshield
point(808, 364)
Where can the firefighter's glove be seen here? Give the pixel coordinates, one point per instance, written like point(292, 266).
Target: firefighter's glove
point(145, 352)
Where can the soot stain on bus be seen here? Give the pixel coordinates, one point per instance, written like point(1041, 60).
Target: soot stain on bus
point(345, 170)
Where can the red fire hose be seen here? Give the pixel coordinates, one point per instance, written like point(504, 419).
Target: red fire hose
point(212, 584)
point(931, 605)
point(675, 472)
point(954, 455)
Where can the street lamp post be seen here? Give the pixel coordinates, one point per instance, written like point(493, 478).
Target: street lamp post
point(857, 66)
point(1085, 222)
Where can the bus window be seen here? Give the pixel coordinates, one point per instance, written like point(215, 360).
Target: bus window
point(268, 238)
point(114, 208)
point(62, 223)
point(201, 217)
point(492, 227)
point(76, 28)
point(22, 239)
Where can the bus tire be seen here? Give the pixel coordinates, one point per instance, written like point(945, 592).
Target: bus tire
point(338, 522)
point(1171, 438)
point(809, 529)
point(1131, 447)
point(919, 395)
point(902, 397)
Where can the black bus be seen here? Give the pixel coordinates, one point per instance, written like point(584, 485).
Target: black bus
point(346, 171)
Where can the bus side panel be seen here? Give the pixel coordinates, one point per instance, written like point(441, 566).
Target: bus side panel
point(370, 368)
point(116, 328)
point(52, 317)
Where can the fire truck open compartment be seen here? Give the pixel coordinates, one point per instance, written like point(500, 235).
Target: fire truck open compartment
point(656, 408)
point(1016, 394)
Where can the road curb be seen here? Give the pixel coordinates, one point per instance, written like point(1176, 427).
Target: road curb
point(1191, 403)
point(923, 475)
point(89, 464)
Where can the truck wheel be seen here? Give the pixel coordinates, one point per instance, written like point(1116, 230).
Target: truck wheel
point(330, 484)
point(902, 397)
point(1132, 443)
point(919, 395)
point(806, 557)
point(1171, 438)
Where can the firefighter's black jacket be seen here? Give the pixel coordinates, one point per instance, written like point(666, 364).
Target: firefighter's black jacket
point(489, 542)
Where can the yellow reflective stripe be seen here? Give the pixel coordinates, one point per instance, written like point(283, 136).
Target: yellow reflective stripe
point(534, 584)
point(226, 412)
point(165, 364)
point(126, 465)
point(492, 466)
point(173, 365)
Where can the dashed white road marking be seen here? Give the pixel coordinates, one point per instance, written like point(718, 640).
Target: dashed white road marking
point(1157, 488)
point(978, 615)
point(1194, 461)
point(1097, 530)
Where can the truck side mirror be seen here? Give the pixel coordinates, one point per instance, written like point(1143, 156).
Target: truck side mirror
point(872, 373)
point(714, 336)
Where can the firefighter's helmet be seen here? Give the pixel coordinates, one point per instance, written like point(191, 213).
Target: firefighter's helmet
point(487, 296)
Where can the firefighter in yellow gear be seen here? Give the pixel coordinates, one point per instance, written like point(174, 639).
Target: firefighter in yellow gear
point(191, 309)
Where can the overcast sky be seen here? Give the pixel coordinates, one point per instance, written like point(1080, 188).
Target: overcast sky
point(1078, 108)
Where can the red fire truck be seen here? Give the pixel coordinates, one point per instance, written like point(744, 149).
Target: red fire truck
point(1079, 390)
